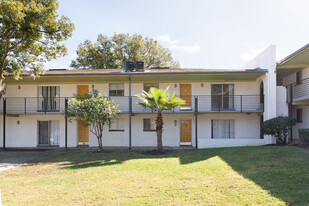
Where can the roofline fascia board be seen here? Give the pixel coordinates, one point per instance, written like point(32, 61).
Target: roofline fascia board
point(157, 73)
point(294, 54)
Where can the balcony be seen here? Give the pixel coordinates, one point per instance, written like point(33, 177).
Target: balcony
point(298, 93)
point(199, 103)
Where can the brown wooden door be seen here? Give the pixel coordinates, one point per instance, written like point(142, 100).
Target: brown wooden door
point(82, 89)
point(83, 132)
point(185, 94)
point(186, 130)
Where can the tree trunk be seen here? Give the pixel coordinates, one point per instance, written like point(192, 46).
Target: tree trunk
point(159, 129)
point(2, 88)
point(100, 142)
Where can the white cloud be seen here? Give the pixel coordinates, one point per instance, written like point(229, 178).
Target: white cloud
point(186, 49)
point(167, 39)
point(175, 45)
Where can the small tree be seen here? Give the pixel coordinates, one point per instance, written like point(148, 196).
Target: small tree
point(96, 109)
point(278, 127)
point(159, 100)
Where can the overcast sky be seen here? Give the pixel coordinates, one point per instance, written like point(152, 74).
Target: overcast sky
point(221, 34)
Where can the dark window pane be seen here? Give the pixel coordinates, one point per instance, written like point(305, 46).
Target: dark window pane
point(147, 124)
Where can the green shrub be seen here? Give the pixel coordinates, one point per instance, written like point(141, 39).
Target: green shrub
point(278, 127)
point(303, 135)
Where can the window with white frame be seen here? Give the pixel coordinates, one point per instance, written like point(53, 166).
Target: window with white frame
point(116, 124)
point(222, 129)
point(147, 86)
point(48, 98)
point(116, 89)
point(149, 124)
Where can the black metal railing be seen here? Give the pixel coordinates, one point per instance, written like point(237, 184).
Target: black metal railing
point(298, 91)
point(195, 103)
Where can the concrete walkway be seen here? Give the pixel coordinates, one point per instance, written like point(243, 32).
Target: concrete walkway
point(14, 158)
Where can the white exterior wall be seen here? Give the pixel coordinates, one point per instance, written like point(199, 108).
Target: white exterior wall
point(171, 133)
point(267, 60)
point(68, 90)
point(112, 138)
point(282, 106)
point(247, 131)
point(26, 133)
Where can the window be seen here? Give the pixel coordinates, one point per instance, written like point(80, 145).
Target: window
point(116, 89)
point(298, 77)
point(299, 115)
point(222, 96)
point(48, 98)
point(222, 129)
point(149, 124)
point(147, 86)
point(116, 124)
point(49, 132)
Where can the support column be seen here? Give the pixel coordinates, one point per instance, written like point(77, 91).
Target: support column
point(4, 117)
point(195, 113)
point(291, 109)
point(130, 114)
point(66, 122)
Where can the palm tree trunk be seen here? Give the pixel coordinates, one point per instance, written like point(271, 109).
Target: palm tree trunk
point(159, 128)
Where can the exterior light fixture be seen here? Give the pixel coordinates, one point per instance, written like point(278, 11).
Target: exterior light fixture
point(19, 87)
point(202, 84)
point(175, 85)
point(92, 86)
point(175, 122)
point(18, 122)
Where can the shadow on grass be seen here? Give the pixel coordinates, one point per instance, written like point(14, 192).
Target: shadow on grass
point(283, 171)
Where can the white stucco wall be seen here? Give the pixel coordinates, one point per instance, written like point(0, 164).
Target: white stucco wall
point(68, 90)
point(26, 133)
point(282, 106)
point(267, 60)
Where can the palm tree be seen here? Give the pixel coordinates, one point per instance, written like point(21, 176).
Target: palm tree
point(159, 100)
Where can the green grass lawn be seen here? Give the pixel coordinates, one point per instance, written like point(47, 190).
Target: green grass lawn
point(267, 175)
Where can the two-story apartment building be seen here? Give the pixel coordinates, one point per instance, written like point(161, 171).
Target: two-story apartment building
point(293, 74)
point(223, 107)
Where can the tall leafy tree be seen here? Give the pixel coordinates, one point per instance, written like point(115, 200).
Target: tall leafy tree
point(31, 33)
point(96, 109)
point(159, 100)
point(107, 53)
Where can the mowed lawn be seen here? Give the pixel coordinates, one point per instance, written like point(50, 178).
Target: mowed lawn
point(266, 175)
